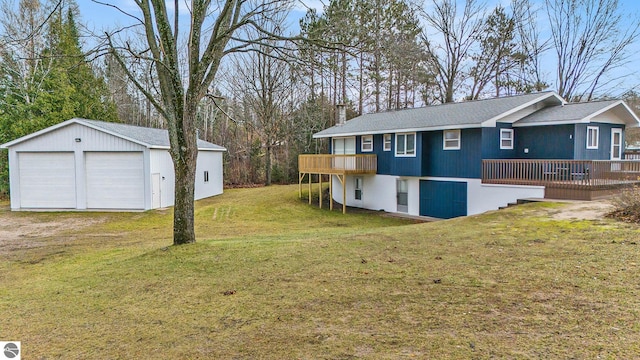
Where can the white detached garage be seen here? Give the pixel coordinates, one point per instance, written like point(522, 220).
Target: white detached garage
point(95, 165)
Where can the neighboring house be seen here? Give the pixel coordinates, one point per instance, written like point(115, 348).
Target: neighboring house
point(94, 165)
point(467, 158)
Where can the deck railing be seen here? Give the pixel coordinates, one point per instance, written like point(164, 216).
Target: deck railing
point(338, 164)
point(570, 174)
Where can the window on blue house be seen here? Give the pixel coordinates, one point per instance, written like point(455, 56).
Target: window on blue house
point(593, 133)
point(367, 143)
point(358, 188)
point(451, 140)
point(506, 139)
point(387, 142)
point(206, 176)
point(406, 144)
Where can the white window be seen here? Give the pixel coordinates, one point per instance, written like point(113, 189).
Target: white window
point(387, 142)
point(358, 187)
point(506, 139)
point(367, 143)
point(206, 176)
point(451, 140)
point(592, 137)
point(406, 144)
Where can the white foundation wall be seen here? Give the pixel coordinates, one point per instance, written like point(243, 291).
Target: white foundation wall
point(486, 197)
point(379, 193)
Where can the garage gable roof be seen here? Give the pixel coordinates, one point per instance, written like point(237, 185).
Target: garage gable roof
point(149, 137)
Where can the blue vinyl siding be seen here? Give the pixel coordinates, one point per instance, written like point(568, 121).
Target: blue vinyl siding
point(389, 164)
point(545, 142)
point(603, 152)
point(463, 163)
point(443, 199)
point(491, 143)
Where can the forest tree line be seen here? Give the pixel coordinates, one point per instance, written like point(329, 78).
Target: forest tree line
point(372, 55)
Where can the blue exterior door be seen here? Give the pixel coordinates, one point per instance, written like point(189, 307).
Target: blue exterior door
point(443, 199)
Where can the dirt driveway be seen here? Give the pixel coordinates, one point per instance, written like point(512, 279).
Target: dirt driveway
point(24, 230)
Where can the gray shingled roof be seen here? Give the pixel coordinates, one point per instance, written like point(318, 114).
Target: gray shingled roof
point(149, 136)
point(464, 114)
point(569, 113)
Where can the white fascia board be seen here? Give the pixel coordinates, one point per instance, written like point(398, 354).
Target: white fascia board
point(97, 128)
point(38, 133)
point(212, 149)
point(492, 122)
point(156, 147)
point(566, 122)
point(399, 131)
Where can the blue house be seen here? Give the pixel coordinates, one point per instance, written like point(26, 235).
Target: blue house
point(466, 158)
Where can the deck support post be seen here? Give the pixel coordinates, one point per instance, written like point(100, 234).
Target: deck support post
point(320, 190)
point(300, 178)
point(330, 192)
point(310, 188)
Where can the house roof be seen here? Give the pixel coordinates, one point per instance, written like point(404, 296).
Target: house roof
point(437, 117)
point(580, 113)
point(149, 137)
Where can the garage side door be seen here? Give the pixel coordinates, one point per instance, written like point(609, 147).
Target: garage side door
point(115, 180)
point(443, 199)
point(47, 180)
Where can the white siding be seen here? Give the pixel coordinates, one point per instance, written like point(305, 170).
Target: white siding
point(64, 139)
point(161, 164)
point(379, 193)
point(210, 161)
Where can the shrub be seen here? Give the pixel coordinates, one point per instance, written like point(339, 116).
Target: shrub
point(627, 205)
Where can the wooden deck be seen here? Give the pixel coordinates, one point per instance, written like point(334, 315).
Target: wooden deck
point(333, 165)
point(565, 179)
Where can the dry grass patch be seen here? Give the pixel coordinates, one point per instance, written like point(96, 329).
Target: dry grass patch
point(312, 284)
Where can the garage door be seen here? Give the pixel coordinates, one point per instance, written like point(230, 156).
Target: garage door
point(443, 199)
point(115, 180)
point(47, 180)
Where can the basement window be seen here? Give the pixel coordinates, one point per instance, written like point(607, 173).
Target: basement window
point(358, 188)
point(206, 176)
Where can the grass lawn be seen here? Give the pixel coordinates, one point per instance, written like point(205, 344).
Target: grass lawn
point(274, 278)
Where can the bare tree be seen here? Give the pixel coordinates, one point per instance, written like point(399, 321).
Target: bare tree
point(263, 82)
point(448, 49)
point(591, 39)
point(530, 77)
point(215, 31)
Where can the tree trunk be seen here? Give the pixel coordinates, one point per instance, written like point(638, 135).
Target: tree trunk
point(267, 165)
point(184, 162)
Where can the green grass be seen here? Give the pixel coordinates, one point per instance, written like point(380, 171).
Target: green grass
point(274, 278)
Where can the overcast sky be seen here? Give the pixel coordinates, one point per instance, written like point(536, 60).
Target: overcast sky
point(100, 17)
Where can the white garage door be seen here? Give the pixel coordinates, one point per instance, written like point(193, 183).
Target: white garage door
point(115, 180)
point(47, 180)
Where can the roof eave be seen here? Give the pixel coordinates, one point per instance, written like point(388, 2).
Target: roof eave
point(398, 131)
